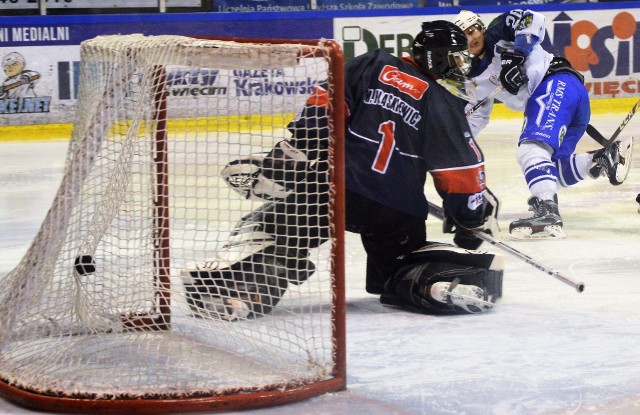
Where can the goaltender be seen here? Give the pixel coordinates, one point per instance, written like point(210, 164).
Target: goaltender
point(401, 124)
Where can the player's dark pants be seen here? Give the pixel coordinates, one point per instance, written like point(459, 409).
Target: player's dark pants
point(300, 223)
point(385, 233)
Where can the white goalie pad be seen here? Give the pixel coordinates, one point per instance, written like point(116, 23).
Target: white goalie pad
point(470, 298)
point(217, 301)
point(247, 240)
point(443, 278)
point(267, 189)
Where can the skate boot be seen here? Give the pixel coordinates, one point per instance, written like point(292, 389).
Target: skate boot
point(613, 161)
point(545, 222)
point(470, 298)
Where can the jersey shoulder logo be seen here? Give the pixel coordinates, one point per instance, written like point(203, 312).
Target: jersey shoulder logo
point(525, 21)
point(403, 82)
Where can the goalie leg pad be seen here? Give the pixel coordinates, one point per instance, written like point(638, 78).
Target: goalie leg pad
point(244, 289)
point(248, 276)
point(444, 278)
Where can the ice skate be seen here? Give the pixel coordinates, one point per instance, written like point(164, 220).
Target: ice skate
point(613, 161)
point(468, 297)
point(545, 223)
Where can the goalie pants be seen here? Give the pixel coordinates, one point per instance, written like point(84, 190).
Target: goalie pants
point(385, 233)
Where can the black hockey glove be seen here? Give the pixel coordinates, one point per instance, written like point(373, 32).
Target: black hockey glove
point(513, 75)
point(466, 237)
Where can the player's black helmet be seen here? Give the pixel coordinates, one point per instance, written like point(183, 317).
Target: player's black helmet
point(441, 48)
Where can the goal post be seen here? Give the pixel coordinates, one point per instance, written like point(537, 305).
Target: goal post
point(98, 317)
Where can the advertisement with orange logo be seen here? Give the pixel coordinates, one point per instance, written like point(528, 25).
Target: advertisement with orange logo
point(604, 45)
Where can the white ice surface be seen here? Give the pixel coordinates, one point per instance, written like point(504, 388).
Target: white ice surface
point(545, 350)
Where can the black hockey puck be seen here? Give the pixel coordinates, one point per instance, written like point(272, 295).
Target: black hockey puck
point(85, 264)
point(638, 198)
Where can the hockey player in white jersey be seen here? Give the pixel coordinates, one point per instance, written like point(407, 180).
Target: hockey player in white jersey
point(556, 112)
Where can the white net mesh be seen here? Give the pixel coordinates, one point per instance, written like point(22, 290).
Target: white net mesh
point(134, 214)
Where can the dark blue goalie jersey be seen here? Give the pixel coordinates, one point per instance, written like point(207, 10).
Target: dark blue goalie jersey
point(400, 126)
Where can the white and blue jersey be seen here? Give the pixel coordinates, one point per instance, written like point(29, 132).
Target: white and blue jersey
point(555, 103)
point(557, 114)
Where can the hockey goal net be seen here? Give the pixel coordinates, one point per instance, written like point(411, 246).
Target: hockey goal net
point(95, 317)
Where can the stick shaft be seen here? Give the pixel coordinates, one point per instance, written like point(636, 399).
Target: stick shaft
point(489, 97)
point(438, 212)
point(579, 286)
point(595, 134)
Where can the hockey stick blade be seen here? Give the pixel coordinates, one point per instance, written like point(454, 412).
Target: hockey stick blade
point(578, 285)
point(595, 134)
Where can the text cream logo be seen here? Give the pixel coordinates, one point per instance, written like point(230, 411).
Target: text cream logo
point(357, 40)
point(403, 82)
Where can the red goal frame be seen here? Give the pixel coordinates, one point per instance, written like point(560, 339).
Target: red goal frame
point(162, 317)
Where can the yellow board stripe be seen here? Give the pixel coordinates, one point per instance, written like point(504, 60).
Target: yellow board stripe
point(598, 107)
point(255, 122)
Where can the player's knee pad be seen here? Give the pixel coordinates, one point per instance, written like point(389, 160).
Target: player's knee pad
point(442, 277)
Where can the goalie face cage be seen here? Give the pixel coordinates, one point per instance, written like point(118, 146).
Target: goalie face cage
point(95, 317)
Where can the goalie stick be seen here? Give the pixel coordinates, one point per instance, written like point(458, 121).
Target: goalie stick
point(579, 286)
point(595, 134)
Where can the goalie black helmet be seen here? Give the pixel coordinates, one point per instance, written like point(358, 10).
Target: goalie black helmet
point(441, 48)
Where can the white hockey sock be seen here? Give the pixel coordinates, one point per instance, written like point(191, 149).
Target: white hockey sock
point(539, 171)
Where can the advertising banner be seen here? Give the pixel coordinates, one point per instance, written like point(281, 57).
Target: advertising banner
point(40, 62)
point(93, 4)
point(604, 45)
point(365, 4)
point(40, 86)
point(261, 5)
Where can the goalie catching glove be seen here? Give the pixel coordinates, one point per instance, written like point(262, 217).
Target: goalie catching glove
point(269, 176)
point(465, 237)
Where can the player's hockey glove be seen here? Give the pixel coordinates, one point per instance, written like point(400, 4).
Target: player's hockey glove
point(465, 237)
point(513, 75)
